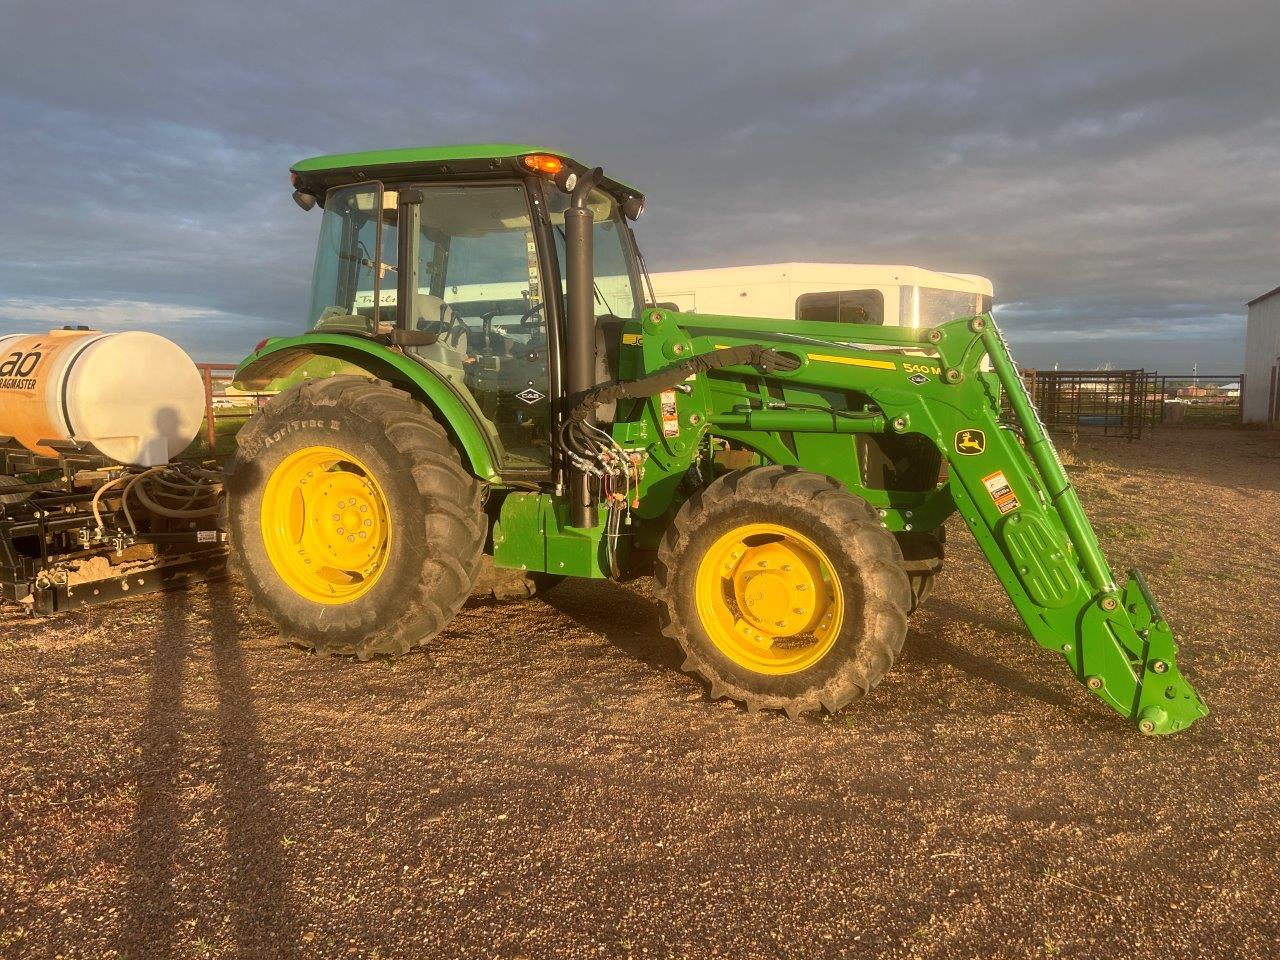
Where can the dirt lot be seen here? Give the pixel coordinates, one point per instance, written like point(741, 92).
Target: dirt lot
point(547, 783)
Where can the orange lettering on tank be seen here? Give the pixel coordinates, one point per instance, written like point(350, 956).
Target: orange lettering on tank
point(30, 408)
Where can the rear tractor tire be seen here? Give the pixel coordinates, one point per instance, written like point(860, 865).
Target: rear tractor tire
point(784, 590)
point(352, 519)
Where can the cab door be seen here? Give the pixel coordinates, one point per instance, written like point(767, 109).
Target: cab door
point(480, 287)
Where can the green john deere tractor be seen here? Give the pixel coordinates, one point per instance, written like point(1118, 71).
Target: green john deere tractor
point(484, 372)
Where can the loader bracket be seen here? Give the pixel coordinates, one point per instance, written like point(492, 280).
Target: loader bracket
point(1127, 658)
point(1166, 702)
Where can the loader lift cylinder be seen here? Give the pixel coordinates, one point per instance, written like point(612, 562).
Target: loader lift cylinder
point(580, 345)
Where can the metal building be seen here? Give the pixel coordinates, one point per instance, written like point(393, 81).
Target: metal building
point(1261, 388)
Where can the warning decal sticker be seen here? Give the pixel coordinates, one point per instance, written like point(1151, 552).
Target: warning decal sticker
point(670, 415)
point(1001, 493)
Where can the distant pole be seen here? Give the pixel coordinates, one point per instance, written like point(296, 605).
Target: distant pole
point(1195, 380)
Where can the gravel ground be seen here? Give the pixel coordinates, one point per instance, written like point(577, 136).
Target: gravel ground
point(546, 783)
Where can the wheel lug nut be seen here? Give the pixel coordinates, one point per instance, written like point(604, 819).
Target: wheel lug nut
point(368, 523)
point(341, 531)
point(336, 517)
point(786, 568)
point(800, 611)
point(801, 587)
point(351, 539)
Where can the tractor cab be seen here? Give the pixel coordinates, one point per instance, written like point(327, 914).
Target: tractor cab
point(461, 262)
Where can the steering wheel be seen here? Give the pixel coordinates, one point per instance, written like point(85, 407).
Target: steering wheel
point(453, 330)
point(526, 318)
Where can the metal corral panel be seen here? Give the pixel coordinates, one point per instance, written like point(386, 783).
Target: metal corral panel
point(1261, 394)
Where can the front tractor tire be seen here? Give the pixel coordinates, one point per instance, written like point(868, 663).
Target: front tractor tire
point(352, 519)
point(784, 590)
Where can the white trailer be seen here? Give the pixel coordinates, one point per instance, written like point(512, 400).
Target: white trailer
point(890, 295)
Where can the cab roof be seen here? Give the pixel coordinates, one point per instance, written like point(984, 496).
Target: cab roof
point(463, 161)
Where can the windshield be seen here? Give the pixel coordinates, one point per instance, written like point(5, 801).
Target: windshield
point(616, 292)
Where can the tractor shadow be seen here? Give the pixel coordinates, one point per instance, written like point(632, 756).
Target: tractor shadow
point(625, 618)
point(253, 898)
point(927, 645)
point(629, 621)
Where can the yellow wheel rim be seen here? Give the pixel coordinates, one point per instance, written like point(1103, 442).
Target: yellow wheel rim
point(326, 525)
point(769, 599)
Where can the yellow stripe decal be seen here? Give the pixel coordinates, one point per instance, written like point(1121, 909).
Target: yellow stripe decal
point(855, 361)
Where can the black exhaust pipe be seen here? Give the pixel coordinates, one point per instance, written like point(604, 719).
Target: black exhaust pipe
point(580, 360)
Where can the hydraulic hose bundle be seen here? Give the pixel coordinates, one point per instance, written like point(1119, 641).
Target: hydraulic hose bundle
point(176, 491)
point(615, 470)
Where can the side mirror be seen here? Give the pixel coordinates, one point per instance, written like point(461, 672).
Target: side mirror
point(305, 200)
point(632, 207)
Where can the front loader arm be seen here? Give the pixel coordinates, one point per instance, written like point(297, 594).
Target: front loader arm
point(1115, 639)
point(1004, 478)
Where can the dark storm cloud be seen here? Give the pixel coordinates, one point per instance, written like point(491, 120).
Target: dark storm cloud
point(1111, 166)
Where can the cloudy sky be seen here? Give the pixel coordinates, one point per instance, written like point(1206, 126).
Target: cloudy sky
point(1114, 166)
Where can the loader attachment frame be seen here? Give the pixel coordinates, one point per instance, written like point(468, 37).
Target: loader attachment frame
point(1004, 476)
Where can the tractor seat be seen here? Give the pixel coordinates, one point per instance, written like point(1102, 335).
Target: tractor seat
point(436, 315)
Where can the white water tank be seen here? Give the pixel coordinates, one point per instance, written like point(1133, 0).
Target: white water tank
point(137, 398)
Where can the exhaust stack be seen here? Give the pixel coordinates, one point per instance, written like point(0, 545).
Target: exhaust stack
point(580, 359)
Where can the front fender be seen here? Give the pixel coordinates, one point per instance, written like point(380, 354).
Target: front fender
point(281, 363)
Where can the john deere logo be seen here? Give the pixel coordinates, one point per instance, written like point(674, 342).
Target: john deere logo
point(970, 442)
